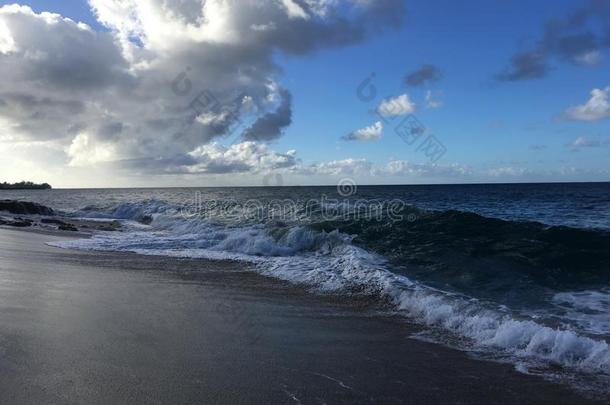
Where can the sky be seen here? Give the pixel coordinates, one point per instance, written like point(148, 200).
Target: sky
point(125, 93)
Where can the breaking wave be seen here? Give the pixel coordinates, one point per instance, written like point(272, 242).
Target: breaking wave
point(494, 285)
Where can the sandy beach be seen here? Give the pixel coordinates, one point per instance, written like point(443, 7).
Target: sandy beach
point(97, 328)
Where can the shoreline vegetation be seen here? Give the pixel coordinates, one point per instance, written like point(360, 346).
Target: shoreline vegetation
point(25, 185)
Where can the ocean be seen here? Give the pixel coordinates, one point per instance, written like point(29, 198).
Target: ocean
point(516, 273)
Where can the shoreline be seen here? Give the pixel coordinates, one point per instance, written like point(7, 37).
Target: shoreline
point(82, 327)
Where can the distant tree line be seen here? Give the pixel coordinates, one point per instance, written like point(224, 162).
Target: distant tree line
point(24, 185)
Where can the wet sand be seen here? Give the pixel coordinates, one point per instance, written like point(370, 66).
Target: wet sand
point(98, 328)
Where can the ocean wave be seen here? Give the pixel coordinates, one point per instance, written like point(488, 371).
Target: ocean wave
point(141, 211)
point(475, 253)
point(358, 257)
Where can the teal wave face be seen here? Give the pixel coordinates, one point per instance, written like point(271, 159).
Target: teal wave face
point(496, 259)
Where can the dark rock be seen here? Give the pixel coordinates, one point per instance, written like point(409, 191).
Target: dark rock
point(25, 207)
point(52, 221)
point(62, 226)
point(19, 224)
point(146, 219)
point(24, 219)
point(112, 226)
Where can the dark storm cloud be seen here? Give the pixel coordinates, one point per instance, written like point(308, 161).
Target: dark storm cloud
point(39, 117)
point(526, 65)
point(578, 39)
point(157, 165)
point(32, 103)
point(426, 74)
point(303, 36)
point(270, 126)
point(220, 167)
point(110, 130)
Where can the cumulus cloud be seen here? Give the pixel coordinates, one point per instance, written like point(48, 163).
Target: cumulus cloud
point(509, 171)
point(426, 74)
point(86, 151)
point(400, 170)
point(394, 168)
point(215, 158)
point(397, 167)
point(574, 39)
point(370, 133)
point(582, 142)
point(52, 74)
point(166, 78)
point(344, 167)
point(393, 107)
point(294, 10)
point(596, 108)
point(241, 157)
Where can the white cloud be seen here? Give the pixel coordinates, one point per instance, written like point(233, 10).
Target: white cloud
point(294, 10)
point(433, 99)
point(397, 167)
point(263, 27)
point(7, 43)
point(582, 142)
point(85, 150)
point(162, 25)
point(241, 157)
point(128, 88)
point(370, 133)
point(507, 171)
point(596, 108)
point(590, 58)
point(344, 167)
point(396, 106)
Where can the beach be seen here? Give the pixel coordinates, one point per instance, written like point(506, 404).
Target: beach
point(304, 202)
point(82, 327)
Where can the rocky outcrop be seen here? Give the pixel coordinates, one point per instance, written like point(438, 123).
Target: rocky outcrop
point(61, 225)
point(67, 227)
point(40, 218)
point(17, 222)
point(52, 221)
point(25, 208)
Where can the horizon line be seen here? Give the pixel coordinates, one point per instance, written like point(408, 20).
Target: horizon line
point(334, 185)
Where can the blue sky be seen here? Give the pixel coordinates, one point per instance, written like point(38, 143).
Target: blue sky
point(518, 128)
point(482, 122)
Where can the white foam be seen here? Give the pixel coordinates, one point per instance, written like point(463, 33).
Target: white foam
point(521, 338)
point(588, 310)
